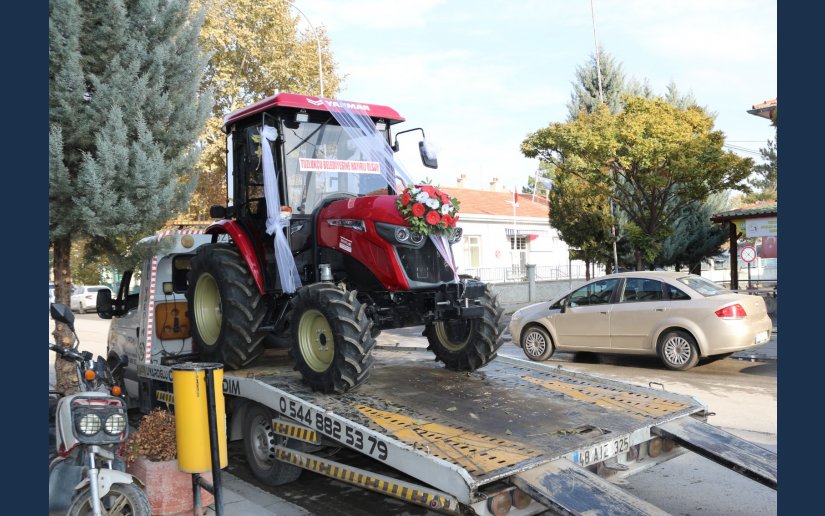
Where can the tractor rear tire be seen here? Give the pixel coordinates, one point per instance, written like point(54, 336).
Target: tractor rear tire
point(225, 307)
point(331, 338)
point(467, 344)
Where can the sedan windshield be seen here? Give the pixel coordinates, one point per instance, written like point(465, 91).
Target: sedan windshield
point(703, 285)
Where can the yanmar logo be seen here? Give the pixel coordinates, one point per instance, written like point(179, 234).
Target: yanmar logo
point(335, 103)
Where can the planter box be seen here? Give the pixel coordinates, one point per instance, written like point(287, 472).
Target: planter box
point(169, 489)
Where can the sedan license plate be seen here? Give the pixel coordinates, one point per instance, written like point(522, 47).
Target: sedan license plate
point(761, 337)
point(602, 451)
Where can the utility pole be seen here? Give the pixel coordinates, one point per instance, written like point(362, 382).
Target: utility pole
point(318, 41)
point(601, 99)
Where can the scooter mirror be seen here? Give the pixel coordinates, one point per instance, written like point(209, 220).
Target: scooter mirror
point(61, 313)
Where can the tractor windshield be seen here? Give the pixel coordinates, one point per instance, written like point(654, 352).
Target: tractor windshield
point(322, 161)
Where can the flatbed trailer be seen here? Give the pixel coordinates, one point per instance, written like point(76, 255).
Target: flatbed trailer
point(514, 437)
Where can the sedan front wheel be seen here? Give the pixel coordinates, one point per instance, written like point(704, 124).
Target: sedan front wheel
point(678, 351)
point(536, 343)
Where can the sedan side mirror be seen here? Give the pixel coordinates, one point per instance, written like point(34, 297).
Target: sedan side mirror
point(563, 305)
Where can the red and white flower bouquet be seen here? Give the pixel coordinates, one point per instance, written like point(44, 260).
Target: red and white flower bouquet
point(428, 210)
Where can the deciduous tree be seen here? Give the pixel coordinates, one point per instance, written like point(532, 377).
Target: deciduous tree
point(653, 157)
point(256, 49)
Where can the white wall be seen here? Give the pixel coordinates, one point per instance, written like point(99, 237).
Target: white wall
point(547, 249)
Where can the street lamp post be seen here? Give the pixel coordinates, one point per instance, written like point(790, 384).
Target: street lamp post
point(318, 41)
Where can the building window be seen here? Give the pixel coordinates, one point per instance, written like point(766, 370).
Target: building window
point(472, 251)
point(518, 243)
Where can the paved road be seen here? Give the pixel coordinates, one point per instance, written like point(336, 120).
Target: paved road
point(742, 394)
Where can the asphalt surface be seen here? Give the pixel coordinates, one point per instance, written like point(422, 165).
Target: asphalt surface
point(741, 390)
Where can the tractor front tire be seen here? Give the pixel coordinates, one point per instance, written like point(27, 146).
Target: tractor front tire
point(467, 344)
point(225, 307)
point(331, 338)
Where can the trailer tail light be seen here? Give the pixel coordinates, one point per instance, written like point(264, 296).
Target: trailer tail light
point(732, 312)
point(500, 504)
point(654, 447)
point(520, 499)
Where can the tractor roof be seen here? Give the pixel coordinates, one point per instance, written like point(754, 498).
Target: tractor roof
point(292, 100)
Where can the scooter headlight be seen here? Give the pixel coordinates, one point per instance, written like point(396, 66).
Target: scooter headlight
point(89, 424)
point(115, 424)
point(98, 419)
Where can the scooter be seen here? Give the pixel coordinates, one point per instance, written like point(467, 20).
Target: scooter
point(87, 475)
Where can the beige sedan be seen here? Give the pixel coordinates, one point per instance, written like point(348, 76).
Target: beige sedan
point(678, 316)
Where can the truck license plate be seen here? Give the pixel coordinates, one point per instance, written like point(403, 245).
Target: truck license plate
point(762, 337)
point(602, 451)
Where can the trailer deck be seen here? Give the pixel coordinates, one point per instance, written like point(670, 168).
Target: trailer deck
point(531, 425)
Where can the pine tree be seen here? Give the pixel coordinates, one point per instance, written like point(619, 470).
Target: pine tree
point(694, 237)
point(125, 110)
point(585, 96)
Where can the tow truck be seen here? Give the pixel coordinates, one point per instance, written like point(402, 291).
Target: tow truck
point(515, 437)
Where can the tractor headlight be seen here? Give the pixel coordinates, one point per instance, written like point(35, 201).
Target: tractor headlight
point(115, 424)
point(400, 235)
point(89, 424)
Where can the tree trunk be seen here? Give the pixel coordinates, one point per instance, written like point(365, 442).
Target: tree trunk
point(695, 268)
point(587, 270)
point(66, 379)
point(639, 264)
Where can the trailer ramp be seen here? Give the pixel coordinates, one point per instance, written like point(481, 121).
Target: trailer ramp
point(569, 489)
point(721, 447)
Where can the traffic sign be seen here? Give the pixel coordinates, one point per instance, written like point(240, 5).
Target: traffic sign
point(748, 254)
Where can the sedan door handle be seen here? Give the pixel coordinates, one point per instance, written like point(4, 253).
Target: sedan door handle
point(660, 309)
point(603, 313)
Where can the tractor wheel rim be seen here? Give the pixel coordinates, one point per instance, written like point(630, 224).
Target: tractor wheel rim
point(207, 308)
point(446, 341)
point(677, 350)
point(315, 340)
point(534, 343)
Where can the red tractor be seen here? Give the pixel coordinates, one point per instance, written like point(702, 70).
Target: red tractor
point(358, 266)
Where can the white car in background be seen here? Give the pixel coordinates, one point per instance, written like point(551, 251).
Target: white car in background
point(84, 298)
point(677, 316)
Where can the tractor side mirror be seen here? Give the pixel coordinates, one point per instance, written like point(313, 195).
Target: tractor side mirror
point(217, 212)
point(104, 305)
point(427, 157)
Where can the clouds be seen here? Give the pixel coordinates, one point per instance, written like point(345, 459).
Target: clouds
point(478, 76)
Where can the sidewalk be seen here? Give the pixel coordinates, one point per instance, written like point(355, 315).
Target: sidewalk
point(241, 498)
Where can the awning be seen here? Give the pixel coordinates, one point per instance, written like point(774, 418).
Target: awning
point(524, 232)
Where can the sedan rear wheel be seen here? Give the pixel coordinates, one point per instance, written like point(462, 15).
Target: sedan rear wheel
point(536, 343)
point(678, 351)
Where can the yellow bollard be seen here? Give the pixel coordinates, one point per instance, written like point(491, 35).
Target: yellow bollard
point(192, 416)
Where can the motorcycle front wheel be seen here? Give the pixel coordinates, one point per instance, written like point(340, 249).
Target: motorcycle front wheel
point(122, 499)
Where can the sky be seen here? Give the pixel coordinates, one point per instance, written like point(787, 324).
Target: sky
point(479, 76)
